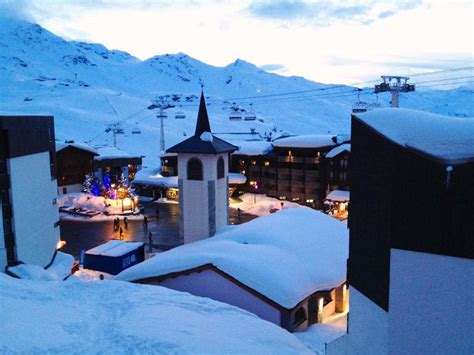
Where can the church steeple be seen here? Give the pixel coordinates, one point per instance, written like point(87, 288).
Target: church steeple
point(202, 124)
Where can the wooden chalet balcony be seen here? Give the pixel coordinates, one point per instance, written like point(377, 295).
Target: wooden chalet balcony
point(312, 173)
point(291, 159)
point(296, 172)
point(297, 183)
point(269, 170)
point(308, 160)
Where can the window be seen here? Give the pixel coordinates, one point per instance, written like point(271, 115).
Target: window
point(343, 163)
point(194, 169)
point(220, 168)
point(300, 316)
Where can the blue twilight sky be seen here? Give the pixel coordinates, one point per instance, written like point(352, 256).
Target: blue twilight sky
point(326, 41)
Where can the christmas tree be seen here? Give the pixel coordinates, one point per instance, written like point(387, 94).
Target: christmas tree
point(88, 183)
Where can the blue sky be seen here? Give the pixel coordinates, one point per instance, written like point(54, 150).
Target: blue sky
point(326, 41)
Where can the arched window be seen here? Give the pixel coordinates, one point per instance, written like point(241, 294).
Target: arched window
point(300, 316)
point(194, 169)
point(220, 168)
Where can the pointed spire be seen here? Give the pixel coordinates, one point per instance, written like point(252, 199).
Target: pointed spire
point(202, 124)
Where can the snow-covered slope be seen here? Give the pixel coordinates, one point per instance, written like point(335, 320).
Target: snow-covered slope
point(86, 86)
point(122, 318)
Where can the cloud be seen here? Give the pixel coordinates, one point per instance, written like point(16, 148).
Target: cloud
point(17, 9)
point(273, 67)
point(327, 12)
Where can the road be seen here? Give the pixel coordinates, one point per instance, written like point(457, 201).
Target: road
point(80, 234)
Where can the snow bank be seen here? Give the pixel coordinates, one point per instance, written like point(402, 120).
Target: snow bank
point(57, 271)
point(306, 141)
point(447, 138)
point(338, 195)
point(122, 318)
point(285, 256)
point(61, 266)
point(338, 150)
point(261, 205)
point(90, 203)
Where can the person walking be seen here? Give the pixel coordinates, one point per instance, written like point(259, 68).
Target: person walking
point(125, 222)
point(145, 222)
point(150, 237)
point(121, 233)
point(238, 212)
point(115, 225)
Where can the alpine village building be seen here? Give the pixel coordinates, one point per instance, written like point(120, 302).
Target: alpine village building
point(29, 227)
point(411, 252)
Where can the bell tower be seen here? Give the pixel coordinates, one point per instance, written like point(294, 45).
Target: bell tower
point(203, 181)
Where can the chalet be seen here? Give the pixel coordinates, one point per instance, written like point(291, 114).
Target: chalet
point(30, 229)
point(73, 161)
point(115, 162)
point(300, 168)
point(338, 167)
point(411, 227)
point(292, 279)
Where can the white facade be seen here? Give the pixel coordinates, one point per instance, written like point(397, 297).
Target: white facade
point(33, 197)
point(431, 308)
point(204, 204)
point(214, 286)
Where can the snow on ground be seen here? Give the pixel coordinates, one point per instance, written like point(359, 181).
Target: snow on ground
point(285, 256)
point(88, 275)
point(260, 205)
point(121, 318)
point(318, 335)
point(443, 137)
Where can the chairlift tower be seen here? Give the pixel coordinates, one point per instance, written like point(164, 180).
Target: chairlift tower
point(395, 85)
point(115, 128)
point(162, 104)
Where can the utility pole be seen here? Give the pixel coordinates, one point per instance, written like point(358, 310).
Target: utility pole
point(394, 84)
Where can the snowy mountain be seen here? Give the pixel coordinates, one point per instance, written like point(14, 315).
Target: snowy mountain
point(87, 86)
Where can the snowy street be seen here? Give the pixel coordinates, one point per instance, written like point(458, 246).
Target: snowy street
point(85, 234)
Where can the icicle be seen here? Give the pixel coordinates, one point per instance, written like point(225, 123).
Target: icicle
point(449, 169)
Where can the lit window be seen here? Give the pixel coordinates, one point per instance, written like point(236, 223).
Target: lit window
point(254, 162)
point(267, 163)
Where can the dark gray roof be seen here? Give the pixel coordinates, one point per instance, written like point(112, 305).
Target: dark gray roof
point(195, 144)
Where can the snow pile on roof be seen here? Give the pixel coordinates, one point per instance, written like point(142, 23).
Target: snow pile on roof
point(450, 139)
point(338, 150)
point(60, 146)
point(237, 178)
point(114, 248)
point(153, 178)
point(113, 153)
point(121, 318)
point(285, 256)
point(306, 141)
point(338, 195)
point(261, 205)
point(253, 147)
point(57, 271)
point(206, 136)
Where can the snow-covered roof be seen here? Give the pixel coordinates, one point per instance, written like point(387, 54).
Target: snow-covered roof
point(252, 147)
point(237, 178)
point(285, 256)
point(114, 248)
point(123, 318)
point(154, 178)
point(446, 138)
point(306, 141)
point(338, 195)
point(338, 150)
point(113, 153)
point(60, 146)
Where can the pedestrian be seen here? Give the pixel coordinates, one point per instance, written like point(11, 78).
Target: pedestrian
point(121, 233)
point(125, 221)
point(115, 224)
point(101, 276)
point(238, 212)
point(150, 237)
point(145, 222)
point(282, 204)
